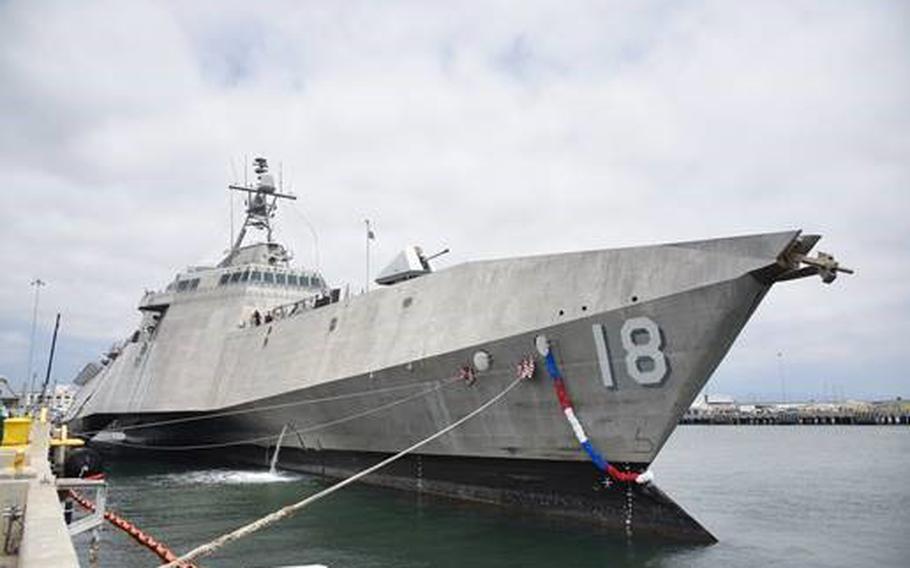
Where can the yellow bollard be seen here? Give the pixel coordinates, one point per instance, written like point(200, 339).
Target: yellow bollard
point(16, 431)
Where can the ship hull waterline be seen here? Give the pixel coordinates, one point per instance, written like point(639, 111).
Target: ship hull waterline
point(562, 491)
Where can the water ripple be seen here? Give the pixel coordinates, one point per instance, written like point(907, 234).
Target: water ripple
point(223, 477)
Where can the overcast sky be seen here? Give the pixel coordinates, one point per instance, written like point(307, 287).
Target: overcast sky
point(495, 128)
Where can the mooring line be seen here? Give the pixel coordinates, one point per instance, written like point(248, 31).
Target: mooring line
point(239, 411)
point(214, 545)
point(269, 437)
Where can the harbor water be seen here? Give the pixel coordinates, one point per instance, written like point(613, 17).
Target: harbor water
point(773, 495)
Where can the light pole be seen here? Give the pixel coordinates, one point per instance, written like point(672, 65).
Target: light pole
point(29, 378)
point(780, 373)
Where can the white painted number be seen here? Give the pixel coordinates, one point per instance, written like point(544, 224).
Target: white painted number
point(603, 357)
point(645, 361)
point(641, 339)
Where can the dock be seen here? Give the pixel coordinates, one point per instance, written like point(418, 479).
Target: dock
point(724, 410)
point(33, 530)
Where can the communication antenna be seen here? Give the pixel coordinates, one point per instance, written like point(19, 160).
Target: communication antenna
point(234, 178)
point(261, 202)
point(301, 212)
point(309, 225)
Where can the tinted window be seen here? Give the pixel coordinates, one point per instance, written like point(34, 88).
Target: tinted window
point(235, 277)
point(256, 276)
point(181, 286)
point(224, 278)
point(194, 283)
point(245, 276)
point(292, 279)
point(279, 278)
point(268, 277)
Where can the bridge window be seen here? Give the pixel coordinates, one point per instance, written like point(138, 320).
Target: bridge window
point(292, 279)
point(181, 286)
point(245, 276)
point(268, 277)
point(255, 276)
point(280, 278)
point(194, 283)
point(235, 277)
point(224, 279)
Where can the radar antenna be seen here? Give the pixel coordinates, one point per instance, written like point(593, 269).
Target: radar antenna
point(261, 202)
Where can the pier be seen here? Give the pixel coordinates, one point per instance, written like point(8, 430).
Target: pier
point(33, 529)
point(723, 410)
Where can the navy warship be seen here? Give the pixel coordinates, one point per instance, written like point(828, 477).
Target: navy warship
point(238, 360)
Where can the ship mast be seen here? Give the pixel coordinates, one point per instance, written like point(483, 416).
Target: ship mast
point(261, 202)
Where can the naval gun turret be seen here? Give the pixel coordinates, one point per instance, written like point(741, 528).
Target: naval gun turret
point(410, 263)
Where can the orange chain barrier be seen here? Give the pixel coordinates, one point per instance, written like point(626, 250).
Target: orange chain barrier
point(129, 528)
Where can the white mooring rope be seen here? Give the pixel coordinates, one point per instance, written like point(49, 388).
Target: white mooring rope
point(270, 437)
point(271, 518)
point(254, 410)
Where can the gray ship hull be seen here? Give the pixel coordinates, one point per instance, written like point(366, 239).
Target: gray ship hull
point(636, 332)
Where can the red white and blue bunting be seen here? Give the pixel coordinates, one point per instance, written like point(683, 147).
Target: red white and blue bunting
point(566, 404)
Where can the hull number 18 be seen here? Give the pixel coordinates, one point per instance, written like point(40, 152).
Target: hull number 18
point(642, 342)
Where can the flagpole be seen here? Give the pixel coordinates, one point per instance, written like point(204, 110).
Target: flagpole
point(366, 285)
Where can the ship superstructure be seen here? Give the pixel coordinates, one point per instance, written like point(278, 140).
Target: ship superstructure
point(229, 359)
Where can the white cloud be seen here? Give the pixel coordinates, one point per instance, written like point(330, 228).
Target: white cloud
point(497, 130)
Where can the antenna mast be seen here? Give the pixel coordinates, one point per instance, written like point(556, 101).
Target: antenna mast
point(261, 202)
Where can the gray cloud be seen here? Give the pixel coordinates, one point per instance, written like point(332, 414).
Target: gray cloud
point(497, 130)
